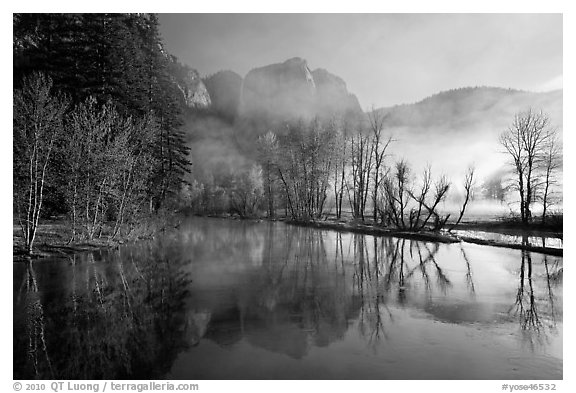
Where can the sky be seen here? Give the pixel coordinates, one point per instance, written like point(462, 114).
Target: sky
point(385, 59)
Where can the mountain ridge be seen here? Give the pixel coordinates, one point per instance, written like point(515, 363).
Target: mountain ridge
point(468, 88)
point(473, 106)
point(290, 89)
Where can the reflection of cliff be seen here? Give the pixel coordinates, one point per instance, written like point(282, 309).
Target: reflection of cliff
point(305, 288)
point(295, 298)
point(224, 243)
point(279, 288)
point(116, 319)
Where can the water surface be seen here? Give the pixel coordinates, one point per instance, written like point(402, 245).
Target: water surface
point(224, 299)
point(537, 241)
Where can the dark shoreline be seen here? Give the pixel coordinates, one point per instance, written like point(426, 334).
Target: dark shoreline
point(365, 229)
point(63, 250)
point(425, 236)
point(53, 240)
point(559, 252)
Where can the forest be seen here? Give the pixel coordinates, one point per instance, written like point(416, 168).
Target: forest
point(97, 123)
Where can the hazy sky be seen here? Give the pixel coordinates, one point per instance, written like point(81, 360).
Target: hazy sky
point(385, 59)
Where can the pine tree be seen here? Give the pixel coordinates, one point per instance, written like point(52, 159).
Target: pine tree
point(114, 58)
point(164, 101)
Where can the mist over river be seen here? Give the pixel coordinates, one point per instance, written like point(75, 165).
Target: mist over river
point(231, 299)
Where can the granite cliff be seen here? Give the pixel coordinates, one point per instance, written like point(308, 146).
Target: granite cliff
point(291, 90)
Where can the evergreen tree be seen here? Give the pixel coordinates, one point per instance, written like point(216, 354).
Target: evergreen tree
point(118, 59)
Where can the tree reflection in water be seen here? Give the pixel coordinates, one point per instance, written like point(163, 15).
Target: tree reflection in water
point(36, 349)
point(128, 313)
point(536, 312)
point(388, 275)
point(93, 320)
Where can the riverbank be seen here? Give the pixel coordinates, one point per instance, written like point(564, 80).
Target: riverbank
point(514, 238)
point(367, 229)
point(515, 227)
point(53, 238)
point(488, 233)
point(496, 233)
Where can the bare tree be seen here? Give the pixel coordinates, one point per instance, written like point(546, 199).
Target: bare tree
point(420, 199)
point(400, 196)
point(380, 144)
point(109, 158)
point(38, 115)
point(91, 133)
point(551, 162)
point(247, 192)
point(468, 183)
point(361, 165)
point(134, 160)
point(525, 141)
point(441, 187)
point(397, 190)
point(341, 147)
point(267, 146)
point(304, 165)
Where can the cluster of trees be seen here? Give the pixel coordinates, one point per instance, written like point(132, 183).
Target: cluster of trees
point(97, 121)
point(231, 191)
point(535, 153)
point(311, 163)
point(309, 169)
point(494, 188)
point(301, 162)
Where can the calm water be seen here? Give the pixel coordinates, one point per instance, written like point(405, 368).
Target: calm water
point(225, 299)
point(539, 241)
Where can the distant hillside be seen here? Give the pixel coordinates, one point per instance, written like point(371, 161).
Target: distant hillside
point(472, 107)
point(456, 128)
point(449, 130)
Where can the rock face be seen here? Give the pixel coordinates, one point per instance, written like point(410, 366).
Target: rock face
point(290, 90)
point(224, 88)
point(332, 96)
point(283, 90)
point(195, 93)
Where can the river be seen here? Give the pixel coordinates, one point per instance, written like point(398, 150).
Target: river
point(225, 299)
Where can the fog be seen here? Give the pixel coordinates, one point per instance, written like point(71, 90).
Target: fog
point(386, 59)
point(213, 147)
point(453, 130)
point(449, 131)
